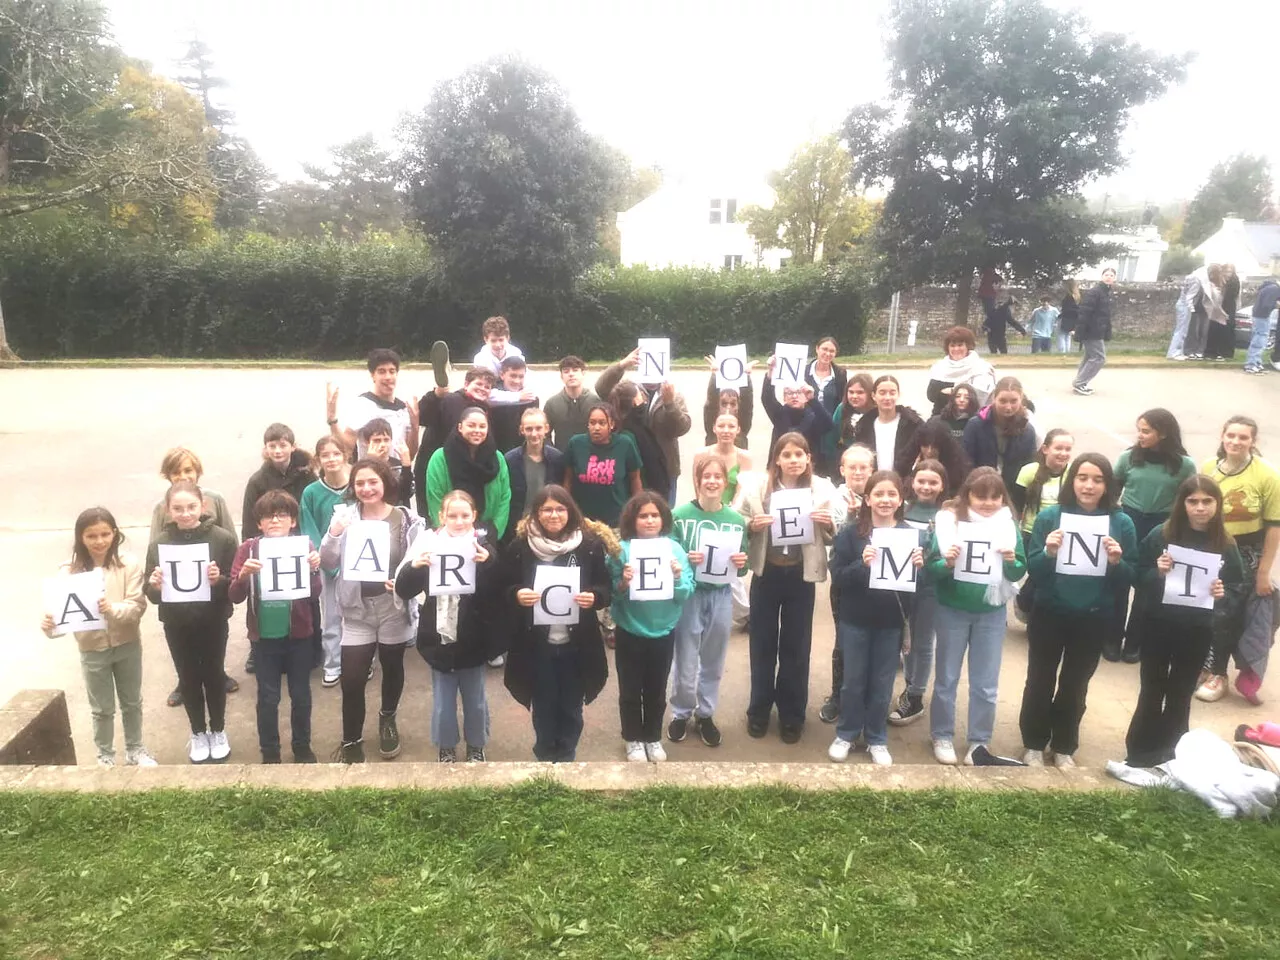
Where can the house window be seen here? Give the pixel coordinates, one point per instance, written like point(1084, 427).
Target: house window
point(733, 261)
point(715, 211)
point(731, 210)
point(1126, 267)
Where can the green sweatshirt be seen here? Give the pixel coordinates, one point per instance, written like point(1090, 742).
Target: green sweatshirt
point(1151, 583)
point(649, 618)
point(691, 520)
point(1150, 487)
point(969, 597)
point(1073, 594)
point(315, 512)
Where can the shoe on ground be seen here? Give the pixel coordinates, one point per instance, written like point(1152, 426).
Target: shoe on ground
point(1111, 651)
point(1064, 761)
point(232, 684)
point(1275, 365)
point(388, 736)
point(1219, 359)
point(790, 732)
point(350, 753)
point(654, 751)
point(331, 678)
point(198, 748)
point(271, 756)
point(499, 661)
point(880, 755)
point(838, 752)
point(1213, 689)
point(175, 698)
point(440, 363)
point(106, 760)
point(1248, 684)
point(475, 754)
point(708, 731)
point(830, 710)
point(909, 709)
point(304, 755)
point(635, 751)
point(219, 746)
point(968, 754)
point(448, 754)
point(250, 665)
point(757, 727)
point(944, 751)
point(677, 729)
point(1255, 370)
point(139, 757)
point(1033, 758)
point(1179, 356)
point(1083, 391)
point(1130, 654)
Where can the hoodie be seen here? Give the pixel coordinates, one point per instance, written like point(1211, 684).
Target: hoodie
point(982, 446)
point(222, 551)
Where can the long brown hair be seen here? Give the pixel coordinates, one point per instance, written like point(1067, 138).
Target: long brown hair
point(864, 511)
point(81, 562)
point(775, 472)
point(985, 482)
point(1017, 424)
point(1035, 489)
point(1178, 527)
point(1244, 421)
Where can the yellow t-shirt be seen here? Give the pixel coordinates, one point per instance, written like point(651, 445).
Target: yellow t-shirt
point(1250, 498)
point(1048, 493)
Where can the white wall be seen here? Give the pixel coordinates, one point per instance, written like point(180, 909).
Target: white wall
point(1139, 264)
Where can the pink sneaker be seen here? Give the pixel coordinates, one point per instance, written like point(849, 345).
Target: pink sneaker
point(1248, 684)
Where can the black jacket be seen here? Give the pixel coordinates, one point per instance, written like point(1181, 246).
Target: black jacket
point(293, 481)
point(554, 461)
point(833, 395)
point(438, 417)
point(982, 447)
point(222, 551)
point(1068, 314)
point(1094, 322)
point(908, 423)
point(811, 420)
point(477, 640)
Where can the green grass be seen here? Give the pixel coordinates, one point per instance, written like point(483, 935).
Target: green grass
point(541, 871)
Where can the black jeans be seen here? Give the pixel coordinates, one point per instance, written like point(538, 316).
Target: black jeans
point(356, 662)
point(558, 695)
point(837, 655)
point(997, 342)
point(277, 660)
point(1053, 701)
point(198, 652)
point(643, 665)
point(781, 639)
point(1173, 652)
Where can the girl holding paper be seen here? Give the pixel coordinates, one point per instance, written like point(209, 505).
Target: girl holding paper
point(971, 614)
point(1176, 638)
point(375, 622)
point(110, 659)
point(1069, 620)
point(197, 632)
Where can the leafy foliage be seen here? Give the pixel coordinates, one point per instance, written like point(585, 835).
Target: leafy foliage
point(353, 195)
point(1239, 187)
point(1178, 261)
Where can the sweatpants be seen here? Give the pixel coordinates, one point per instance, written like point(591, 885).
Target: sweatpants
point(643, 665)
point(289, 660)
point(781, 641)
point(980, 636)
point(917, 663)
point(199, 651)
point(111, 674)
point(701, 642)
point(445, 690)
point(558, 695)
point(1173, 651)
point(997, 342)
point(1095, 357)
point(871, 657)
point(1063, 650)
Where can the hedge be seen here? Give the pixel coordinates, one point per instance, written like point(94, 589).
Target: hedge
point(263, 298)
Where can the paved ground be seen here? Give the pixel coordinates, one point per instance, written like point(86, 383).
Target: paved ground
point(72, 438)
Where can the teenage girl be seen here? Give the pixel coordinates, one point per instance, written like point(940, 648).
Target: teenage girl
point(933, 441)
point(870, 624)
point(782, 591)
point(110, 659)
point(1037, 487)
point(971, 616)
point(316, 510)
point(856, 404)
point(375, 621)
point(1148, 474)
point(645, 630)
point(602, 468)
point(959, 410)
point(197, 632)
point(457, 635)
point(736, 460)
point(1176, 639)
point(1069, 620)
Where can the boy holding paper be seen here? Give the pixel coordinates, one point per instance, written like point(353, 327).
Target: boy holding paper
point(280, 628)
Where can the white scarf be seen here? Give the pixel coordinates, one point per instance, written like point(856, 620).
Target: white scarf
point(549, 550)
point(971, 369)
point(946, 531)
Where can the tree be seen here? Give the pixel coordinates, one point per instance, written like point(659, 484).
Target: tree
point(1240, 187)
point(354, 194)
point(816, 212)
point(1000, 113)
point(506, 183)
point(1177, 262)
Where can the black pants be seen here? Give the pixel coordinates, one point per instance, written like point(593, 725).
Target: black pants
point(198, 652)
point(643, 665)
point(1221, 341)
point(286, 659)
point(1143, 523)
point(558, 694)
point(780, 642)
point(1173, 652)
point(1053, 700)
point(1026, 598)
point(997, 341)
point(837, 657)
point(356, 662)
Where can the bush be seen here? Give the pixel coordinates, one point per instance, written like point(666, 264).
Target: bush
point(75, 295)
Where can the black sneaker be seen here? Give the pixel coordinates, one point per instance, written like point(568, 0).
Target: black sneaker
point(175, 698)
point(448, 755)
point(909, 709)
point(708, 731)
point(304, 755)
point(790, 732)
point(1111, 651)
point(270, 756)
point(757, 727)
point(231, 683)
point(388, 736)
point(475, 754)
point(1130, 654)
point(349, 753)
point(440, 363)
point(830, 711)
point(677, 728)
point(250, 665)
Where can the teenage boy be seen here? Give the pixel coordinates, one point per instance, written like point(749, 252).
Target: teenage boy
point(567, 410)
point(508, 403)
point(380, 402)
point(439, 413)
point(1041, 325)
point(497, 345)
point(280, 630)
point(532, 465)
point(284, 467)
point(376, 437)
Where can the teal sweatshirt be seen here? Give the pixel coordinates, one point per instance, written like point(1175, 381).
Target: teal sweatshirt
point(649, 618)
point(1071, 594)
point(691, 520)
point(969, 597)
point(315, 512)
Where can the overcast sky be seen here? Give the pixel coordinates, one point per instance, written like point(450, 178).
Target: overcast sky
point(695, 86)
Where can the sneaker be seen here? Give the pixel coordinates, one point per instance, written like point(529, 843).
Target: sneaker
point(304, 754)
point(757, 727)
point(388, 736)
point(440, 363)
point(1111, 650)
point(250, 664)
point(498, 661)
point(968, 755)
point(1213, 689)
point(1083, 391)
point(944, 751)
point(880, 755)
point(270, 756)
point(635, 751)
point(830, 711)
point(106, 760)
point(1275, 365)
point(1254, 370)
point(1033, 758)
point(198, 748)
point(174, 699)
point(331, 678)
point(677, 729)
point(138, 757)
point(232, 684)
point(475, 754)
point(349, 753)
point(219, 746)
point(1179, 356)
point(654, 751)
point(1248, 684)
point(790, 732)
point(1219, 359)
point(708, 731)
point(1130, 653)
point(838, 752)
point(448, 755)
point(1064, 761)
point(909, 709)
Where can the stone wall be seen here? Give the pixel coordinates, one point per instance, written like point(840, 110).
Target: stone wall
point(35, 729)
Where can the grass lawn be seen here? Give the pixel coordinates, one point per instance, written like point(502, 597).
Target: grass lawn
point(541, 871)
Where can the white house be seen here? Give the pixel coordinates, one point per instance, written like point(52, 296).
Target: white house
point(695, 225)
point(1254, 248)
point(1140, 262)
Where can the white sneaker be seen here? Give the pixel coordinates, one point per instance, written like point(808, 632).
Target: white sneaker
point(655, 752)
point(1275, 364)
point(106, 760)
point(839, 750)
point(944, 751)
point(1063, 761)
point(219, 746)
point(198, 748)
point(138, 757)
point(880, 755)
point(1033, 758)
point(331, 678)
point(636, 752)
point(498, 661)
point(1178, 356)
point(968, 755)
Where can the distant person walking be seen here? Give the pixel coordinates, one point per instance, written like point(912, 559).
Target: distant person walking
point(997, 324)
point(1094, 330)
point(1043, 320)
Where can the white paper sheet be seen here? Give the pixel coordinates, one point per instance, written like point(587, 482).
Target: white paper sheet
point(1082, 553)
point(716, 547)
point(655, 359)
point(186, 572)
point(366, 552)
point(892, 568)
point(1190, 582)
point(556, 587)
point(731, 367)
point(788, 363)
point(792, 523)
point(285, 574)
point(72, 600)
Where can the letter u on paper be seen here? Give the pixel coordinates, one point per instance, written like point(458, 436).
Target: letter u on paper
point(186, 572)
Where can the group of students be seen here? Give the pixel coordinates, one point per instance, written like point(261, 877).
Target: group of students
point(613, 484)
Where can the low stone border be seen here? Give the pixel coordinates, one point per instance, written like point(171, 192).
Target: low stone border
point(609, 777)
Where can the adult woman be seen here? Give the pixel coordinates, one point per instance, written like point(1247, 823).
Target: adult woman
point(890, 431)
point(960, 364)
point(469, 461)
point(1206, 308)
point(1251, 511)
point(933, 441)
point(1068, 314)
point(827, 378)
point(960, 409)
point(856, 404)
point(1001, 436)
point(1220, 344)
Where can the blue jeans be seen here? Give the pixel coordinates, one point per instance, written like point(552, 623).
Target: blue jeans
point(870, 664)
point(1040, 344)
point(1258, 342)
point(445, 687)
point(1064, 342)
point(558, 695)
point(982, 636)
point(781, 639)
point(702, 640)
point(918, 662)
point(279, 659)
point(1182, 321)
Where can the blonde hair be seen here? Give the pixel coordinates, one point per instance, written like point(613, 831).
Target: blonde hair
point(175, 458)
point(858, 450)
point(453, 495)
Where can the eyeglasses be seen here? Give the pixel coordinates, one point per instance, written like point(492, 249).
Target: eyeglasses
point(278, 516)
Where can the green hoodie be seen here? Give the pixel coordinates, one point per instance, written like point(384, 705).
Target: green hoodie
point(649, 618)
point(691, 520)
point(1073, 594)
point(970, 597)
